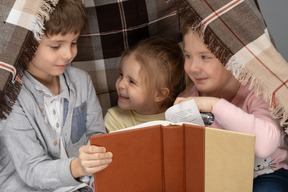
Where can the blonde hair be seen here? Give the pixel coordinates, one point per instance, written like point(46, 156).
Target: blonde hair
point(162, 66)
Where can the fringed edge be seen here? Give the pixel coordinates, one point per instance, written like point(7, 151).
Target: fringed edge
point(46, 9)
point(244, 77)
point(7, 97)
point(214, 44)
point(12, 89)
point(277, 111)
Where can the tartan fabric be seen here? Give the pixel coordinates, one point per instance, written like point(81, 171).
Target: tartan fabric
point(114, 26)
point(18, 19)
point(235, 32)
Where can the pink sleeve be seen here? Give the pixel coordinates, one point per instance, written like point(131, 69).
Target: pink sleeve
point(257, 121)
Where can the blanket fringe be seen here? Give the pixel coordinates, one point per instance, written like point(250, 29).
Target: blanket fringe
point(46, 8)
point(277, 111)
point(12, 88)
point(217, 47)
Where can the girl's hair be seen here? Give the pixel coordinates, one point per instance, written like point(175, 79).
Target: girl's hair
point(162, 66)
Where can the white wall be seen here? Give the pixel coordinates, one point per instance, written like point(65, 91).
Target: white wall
point(275, 13)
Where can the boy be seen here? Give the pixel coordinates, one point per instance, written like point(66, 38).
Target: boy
point(57, 110)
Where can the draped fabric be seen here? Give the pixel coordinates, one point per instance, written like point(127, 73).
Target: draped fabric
point(114, 26)
point(235, 32)
point(19, 19)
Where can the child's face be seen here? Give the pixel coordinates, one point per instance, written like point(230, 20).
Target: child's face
point(53, 55)
point(131, 88)
point(204, 69)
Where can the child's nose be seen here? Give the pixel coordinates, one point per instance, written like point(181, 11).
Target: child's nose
point(193, 65)
point(121, 83)
point(67, 54)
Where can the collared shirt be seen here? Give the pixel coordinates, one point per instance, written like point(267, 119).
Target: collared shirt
point(53, 106)
point(32, 162)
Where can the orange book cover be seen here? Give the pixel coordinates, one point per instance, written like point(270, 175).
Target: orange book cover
point(176, 158)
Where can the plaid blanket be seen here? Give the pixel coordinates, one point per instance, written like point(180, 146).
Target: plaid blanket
point(235, 32)
point(115, 26)
point(18, 20)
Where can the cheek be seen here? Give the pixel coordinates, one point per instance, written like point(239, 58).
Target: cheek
point(42, 58)
point(187, 67)
point(117, 83)
point(75, 51)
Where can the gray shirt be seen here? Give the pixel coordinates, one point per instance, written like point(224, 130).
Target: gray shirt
point(30, 155)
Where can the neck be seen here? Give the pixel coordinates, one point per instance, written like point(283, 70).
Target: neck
point(52, 83)
point(228, 92)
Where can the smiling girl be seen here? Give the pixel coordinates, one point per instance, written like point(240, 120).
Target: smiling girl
point(151, 75)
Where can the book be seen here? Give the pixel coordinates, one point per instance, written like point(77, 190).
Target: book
point(166, 157)
point(186, 111)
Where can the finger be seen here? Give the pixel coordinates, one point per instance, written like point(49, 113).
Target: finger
point(95, 156)
point(96, 163)
point(178, 100)
point(91, 167)
point(91, 170)
point(92, 149)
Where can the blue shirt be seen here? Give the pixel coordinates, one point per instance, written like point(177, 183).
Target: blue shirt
point(32, 155)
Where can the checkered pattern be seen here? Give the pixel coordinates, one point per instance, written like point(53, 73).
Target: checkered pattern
point(115, 26)
point(235, 32)
point(18, 19)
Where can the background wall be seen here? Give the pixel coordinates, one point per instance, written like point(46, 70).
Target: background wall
point(276, 16)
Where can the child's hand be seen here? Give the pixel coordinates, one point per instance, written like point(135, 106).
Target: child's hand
point(204, 104)
point(91, 160)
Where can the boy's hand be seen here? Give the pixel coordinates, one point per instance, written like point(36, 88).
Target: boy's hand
point(91, 160)
point(204, 104)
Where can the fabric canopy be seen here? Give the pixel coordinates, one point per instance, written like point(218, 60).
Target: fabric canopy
point(235, 32)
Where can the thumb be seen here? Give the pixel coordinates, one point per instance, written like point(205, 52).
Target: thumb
point(178, 100)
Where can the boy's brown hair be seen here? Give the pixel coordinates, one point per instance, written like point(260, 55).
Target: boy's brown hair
point(68, 16)
point(162, 66)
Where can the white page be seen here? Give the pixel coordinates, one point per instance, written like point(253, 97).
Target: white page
point(147, 124)
point(186, 111)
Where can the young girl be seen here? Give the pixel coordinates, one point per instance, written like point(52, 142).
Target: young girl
point(47, 132)
point(151, 75)
point(235, 106)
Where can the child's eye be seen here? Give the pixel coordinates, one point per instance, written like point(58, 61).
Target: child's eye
point(55, 46)
point(74, 43)
point(131, 81)
point(204, 57)
point(188, 56)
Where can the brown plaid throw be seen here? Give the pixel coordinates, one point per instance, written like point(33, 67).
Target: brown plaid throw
point(115, 26)
point(235, 32)
point(18, 19)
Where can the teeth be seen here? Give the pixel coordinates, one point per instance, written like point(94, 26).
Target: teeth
point(124, 96)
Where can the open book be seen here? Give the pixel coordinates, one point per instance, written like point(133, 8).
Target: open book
point(185, 112)
point(184, 157)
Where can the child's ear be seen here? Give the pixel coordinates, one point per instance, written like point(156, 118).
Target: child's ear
point(161, 95)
